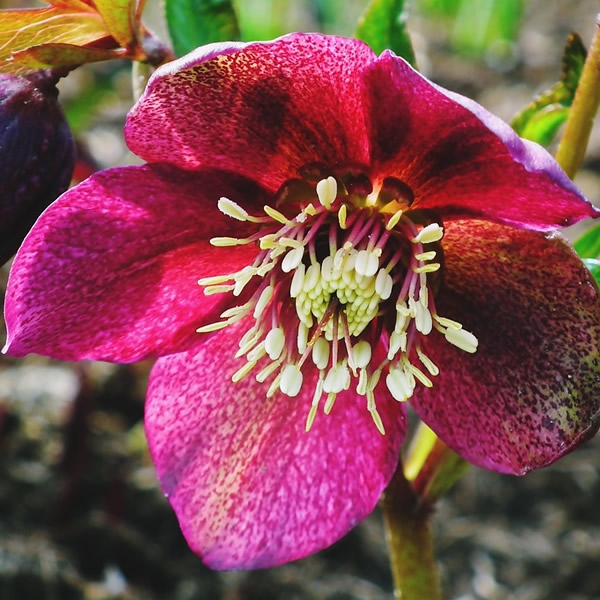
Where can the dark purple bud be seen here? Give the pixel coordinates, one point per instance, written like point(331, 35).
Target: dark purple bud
point(37, 154)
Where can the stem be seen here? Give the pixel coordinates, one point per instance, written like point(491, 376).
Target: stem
point(420, 447)
point(410, 541)
point(573, 144)
point(440, 471)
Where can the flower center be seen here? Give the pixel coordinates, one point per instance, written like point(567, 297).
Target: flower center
point(346, 279)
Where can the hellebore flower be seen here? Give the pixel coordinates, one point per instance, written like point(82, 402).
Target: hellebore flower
point(37, 154)
point(362, 237)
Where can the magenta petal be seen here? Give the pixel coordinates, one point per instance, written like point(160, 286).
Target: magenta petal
point(529, 393)
point(250, 487)
point(458, 158)
point(262, 110)
point(110, 270)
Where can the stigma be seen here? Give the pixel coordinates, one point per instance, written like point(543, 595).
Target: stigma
point(341, 285)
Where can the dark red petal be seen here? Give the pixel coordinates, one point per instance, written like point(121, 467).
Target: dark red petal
point(262, 110)
point(250, 487)
point(458, 158)
point(531, 392)
point(110, 270)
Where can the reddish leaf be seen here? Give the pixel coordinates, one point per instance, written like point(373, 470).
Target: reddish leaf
point(22, 29)
point(61, 55)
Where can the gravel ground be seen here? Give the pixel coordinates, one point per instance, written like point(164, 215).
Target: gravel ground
point(83, 518)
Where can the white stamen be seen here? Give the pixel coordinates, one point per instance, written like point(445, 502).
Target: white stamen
point(276, 215)
point(314, 405)
point(367, 263)
point(232, 209)
point(337, 379)
point(397, 342)
point(212, 327)
point(329, 402)
point(428, 363)
point(377, 420)
point(291, 380)
point(218, 289)
point(431, 233)
point(427, 268)
point(426, 256)
point(395, 218)
point(297, 281)
point(290, 242)
point(292, 259)
point(242, 278)
point(363, 381)
point(361, 353)
point(420, 375)
point(327, 191)
point(274, 342)
point(422, 316)
point(263, 300)
point(462, 339)
point(265, 373)
point(320, 353)
point(384, 284)
point(342, 213)
point(221, 242)
point(216, 280)
point(235, 311)
point(256, 353)
point(311, 277)
point(268, 241)
point(243, 371)
point(399, 385)
point(302, 338)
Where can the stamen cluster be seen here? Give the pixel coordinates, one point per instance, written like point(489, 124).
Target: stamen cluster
point(340, 280)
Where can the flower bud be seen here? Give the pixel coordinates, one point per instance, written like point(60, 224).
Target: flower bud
point(37, 154)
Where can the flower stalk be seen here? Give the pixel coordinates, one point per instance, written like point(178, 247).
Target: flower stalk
point(410, 541)
point(573, 145)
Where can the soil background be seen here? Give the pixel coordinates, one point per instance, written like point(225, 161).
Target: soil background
point(82, 517)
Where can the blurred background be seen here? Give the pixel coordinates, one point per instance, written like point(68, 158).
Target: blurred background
point(81, 515)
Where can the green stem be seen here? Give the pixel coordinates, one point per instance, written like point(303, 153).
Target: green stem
point(440, 471)
point(573, 144)
point(421, 445)
point(410, 541)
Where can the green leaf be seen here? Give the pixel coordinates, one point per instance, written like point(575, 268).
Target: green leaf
point(383, 26)
point(542, 126)
point(193, 23)
point(540, 121)
point(594, 267)
point(588, 245)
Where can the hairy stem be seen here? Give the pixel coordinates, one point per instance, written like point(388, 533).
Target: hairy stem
point(410, 541)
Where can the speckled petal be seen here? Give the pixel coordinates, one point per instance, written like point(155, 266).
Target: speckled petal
point(458, 158)
point(110, 270)
point(261, 109)
point(530, 392)
point(250, 487)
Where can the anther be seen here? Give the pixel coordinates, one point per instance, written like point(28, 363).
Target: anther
point(274, 342)
point(394, 219)
point(462, 339)
point(291, 380)
point(232, 209)
point(292, 259)
point(429, 234)
point(327, 191)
